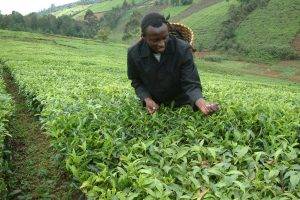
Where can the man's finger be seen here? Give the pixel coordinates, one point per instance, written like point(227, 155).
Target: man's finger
point(149, 110)
point(210, 108)
point(217, 107)
point(204, 110)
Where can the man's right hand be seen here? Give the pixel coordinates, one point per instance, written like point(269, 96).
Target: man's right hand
point(151, 105)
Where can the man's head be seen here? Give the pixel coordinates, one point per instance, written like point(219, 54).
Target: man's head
point(155, 31)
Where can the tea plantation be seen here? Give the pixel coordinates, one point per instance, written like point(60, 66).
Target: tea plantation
point(114, 150)
point(5, 111)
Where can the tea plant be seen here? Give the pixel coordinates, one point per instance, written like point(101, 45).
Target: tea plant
point(115, 150)
point(5, 111)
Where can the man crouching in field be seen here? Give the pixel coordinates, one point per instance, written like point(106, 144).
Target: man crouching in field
point(162, 69)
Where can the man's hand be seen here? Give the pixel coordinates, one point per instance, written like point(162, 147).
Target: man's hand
point(207, 108)
point(151, 105)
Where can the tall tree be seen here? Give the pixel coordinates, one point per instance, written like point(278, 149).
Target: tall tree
point(17, 21)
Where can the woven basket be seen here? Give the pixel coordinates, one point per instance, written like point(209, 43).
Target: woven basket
point(182, 32)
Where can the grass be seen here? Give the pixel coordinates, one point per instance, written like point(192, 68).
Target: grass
point(207, 23)
point(268, 32)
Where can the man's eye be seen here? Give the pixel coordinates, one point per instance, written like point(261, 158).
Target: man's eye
point(153, 40)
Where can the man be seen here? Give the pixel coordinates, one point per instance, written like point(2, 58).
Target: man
point(162, 69)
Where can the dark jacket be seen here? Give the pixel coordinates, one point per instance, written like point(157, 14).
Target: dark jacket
point(174, 78)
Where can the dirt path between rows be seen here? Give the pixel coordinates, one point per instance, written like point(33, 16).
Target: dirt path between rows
point(33, 172)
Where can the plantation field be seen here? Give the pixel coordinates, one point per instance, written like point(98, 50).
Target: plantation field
point(206, 23)
point(71, 11)
point(115, 150)
point(104, 6)
point(101, 7)
point(269, 32)
point(175, 10)
point(276, 72)
point(5, 111)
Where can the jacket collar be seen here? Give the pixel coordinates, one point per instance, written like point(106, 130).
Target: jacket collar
point(145, 50)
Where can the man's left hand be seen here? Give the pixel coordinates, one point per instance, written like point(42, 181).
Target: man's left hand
point(207, 108)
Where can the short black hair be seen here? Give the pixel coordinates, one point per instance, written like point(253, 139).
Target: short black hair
point(152, 19)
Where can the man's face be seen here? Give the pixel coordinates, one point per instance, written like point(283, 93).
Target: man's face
point(157, 37)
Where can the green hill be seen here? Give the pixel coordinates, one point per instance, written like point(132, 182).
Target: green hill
point(78, 10)
point(207, 22)
point(71, 11)
point(269, 32)
point(103, 7)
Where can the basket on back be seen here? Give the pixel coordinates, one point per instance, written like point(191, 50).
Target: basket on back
point(182, 32)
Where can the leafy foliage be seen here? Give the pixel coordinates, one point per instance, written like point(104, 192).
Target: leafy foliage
point(103, 34)
point(115, 150)
point(132, 28)
point(6, 109)
point(64, 25)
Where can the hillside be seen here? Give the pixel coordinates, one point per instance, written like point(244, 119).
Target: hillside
point(206, 23)
point(71, 11)
point(103, 7)
point(78, 11)
point(265, 34)
point(269, 32)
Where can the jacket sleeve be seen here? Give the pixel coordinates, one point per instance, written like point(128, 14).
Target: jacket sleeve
point(189, 79)
point(136, 82)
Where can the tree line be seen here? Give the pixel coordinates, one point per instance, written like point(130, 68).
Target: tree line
point(90, 27)
point(64, 25)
